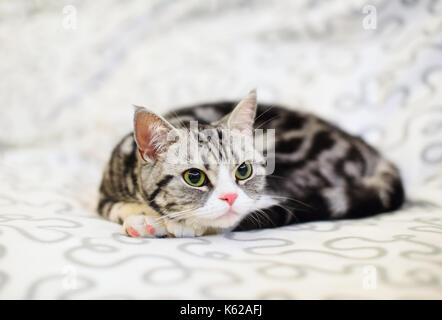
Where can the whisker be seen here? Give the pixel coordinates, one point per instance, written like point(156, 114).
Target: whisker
point(179, 120)
point(176, 214)
point(187, 213)
point(267, 121)
point(254, 219)
point(292, 199)
point(270, 108)
point(289, 211)
point(266, 216)
point(276, 177)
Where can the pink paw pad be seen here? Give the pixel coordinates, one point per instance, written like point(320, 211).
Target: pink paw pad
point(150, 229)
point(132, 232)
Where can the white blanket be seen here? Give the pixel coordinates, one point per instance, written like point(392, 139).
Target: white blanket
point(70, 75)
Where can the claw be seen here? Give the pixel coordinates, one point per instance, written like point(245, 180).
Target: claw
point(150, 229)
point(132, 232)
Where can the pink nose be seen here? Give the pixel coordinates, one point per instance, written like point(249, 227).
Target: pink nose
point(229, 197)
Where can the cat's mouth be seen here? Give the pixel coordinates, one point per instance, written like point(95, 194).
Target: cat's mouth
point(224, 219)
point(229, 214)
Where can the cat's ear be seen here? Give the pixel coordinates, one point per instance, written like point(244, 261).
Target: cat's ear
point(151, 133)
point(243, 115)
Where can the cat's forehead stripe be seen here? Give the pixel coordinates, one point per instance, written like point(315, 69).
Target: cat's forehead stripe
point(163, 182)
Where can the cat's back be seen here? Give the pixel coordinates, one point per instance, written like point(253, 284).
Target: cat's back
point(267, 115)
point(334, 173)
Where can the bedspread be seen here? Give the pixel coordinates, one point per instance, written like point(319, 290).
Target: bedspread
point(70, 73)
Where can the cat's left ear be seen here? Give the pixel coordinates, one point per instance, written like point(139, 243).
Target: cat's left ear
point(242, 117)
point(151, 133)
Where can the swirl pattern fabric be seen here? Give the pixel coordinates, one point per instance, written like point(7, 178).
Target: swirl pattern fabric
point(66, 100)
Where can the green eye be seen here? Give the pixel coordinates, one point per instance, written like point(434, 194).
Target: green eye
point(243, 171)
point(194, 177)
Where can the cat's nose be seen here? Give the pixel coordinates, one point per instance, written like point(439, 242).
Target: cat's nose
point(229, 197)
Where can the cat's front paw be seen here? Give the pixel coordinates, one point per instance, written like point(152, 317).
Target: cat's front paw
point(143, 226)
point(179, 230)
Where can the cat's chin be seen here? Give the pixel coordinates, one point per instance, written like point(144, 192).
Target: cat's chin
point(229, 214)
point(224, 221)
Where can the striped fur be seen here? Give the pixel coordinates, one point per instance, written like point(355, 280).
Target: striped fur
point(320, 172)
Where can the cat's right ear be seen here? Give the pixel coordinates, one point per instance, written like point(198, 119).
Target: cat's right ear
point(151, 134)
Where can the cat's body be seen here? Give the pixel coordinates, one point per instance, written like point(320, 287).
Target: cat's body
point(320, 173)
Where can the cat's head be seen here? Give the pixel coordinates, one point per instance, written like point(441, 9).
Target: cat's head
point(210, 175)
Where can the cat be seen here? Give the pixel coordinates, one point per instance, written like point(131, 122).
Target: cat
point(319, 172)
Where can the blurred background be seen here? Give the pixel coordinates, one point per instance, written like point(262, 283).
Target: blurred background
point(71, 70)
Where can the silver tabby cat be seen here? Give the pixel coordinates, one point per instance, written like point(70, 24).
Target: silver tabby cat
point(155, 189)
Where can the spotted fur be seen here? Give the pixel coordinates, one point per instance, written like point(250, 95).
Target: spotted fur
point(320, 173)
